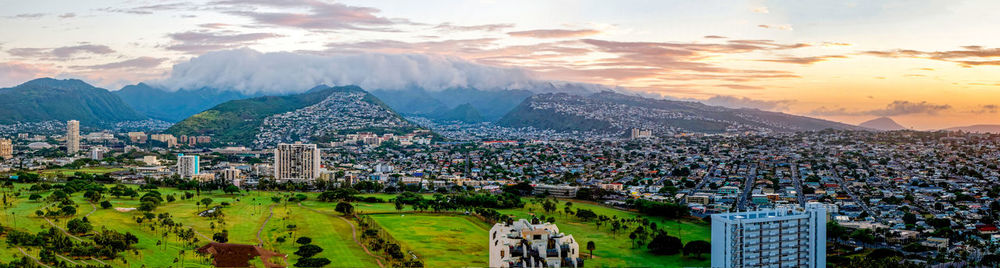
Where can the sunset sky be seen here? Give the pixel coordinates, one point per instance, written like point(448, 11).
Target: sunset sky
point(926, 64)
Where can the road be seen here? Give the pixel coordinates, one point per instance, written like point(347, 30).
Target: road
point(701, 184)
point(798, 184)
point(747, 188)
point(859, 201)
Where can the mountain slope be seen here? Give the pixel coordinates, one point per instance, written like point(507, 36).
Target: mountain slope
point(610, 112)
point(882, 123)
point(977, 128)
point(464, 113)
point(490, 104)
point(47, 99)
point(174, 106)
point(264, 121)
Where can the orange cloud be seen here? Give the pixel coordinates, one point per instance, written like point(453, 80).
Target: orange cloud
point(554, 33)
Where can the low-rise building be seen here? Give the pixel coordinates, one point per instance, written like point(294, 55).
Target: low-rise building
point(526, 244)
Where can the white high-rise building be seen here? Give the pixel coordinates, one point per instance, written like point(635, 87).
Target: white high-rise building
point(187, 166)
point(298, 162)
point(72, 136)
point(523, 244)
point(770, 238)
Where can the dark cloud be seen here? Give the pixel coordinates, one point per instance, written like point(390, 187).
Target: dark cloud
point(968, 56)
point(60, 52)
point(895, 108)
point(447, 26)
point(804, 60)
point(203, 41)
point(28, 16)
point(140, 62)
point(319, 15)
point(554, 33)
point(987, 109)
point(783, 27)
point(714, 37)
point(147, 9)
point(65, 52)
point(744, 102)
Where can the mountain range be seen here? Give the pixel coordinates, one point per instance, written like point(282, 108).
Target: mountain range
point(977, 129)
point(174, 105)
point(611, 112)
point(46, 99)
point(309, 116)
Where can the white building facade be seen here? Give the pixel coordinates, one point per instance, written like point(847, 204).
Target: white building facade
point(296, 162)
point(770, 238)
point(187, 166)
point(523, 244)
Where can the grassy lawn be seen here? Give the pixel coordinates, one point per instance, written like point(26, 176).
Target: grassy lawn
point(613, 250)
point(56, 172)
point(442, 240)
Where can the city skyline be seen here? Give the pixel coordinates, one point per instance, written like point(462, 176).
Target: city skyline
point(927, 65)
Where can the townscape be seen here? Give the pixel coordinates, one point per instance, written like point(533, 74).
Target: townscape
point(924, 195)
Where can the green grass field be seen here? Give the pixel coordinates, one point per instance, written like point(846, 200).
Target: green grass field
point(441, 240)
point(63, 172)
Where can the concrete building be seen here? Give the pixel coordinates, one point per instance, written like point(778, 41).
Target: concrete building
point(187, 166)
point(523, 244)
point(72, 137)
point(6, 149)
point(96, 153)
point(770, 238)
point(560, 191)
point(640, 134)
point(298, 162)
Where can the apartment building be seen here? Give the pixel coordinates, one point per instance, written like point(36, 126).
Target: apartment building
point(770, 238)
point(6, 149)
point(72, 137)
point(187, 166)
point(525, 244)
point(297, 162)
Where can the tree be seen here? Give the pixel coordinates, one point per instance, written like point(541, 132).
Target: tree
point(306, 251)
point(585, 214)
point(105, 204)
point(697, 248)
point(206, 201)
point(230, 189)
point(345, 208)
point(221, 237)
point(312, 262)
point(304, 240)
point(68, 210)
point(78, 226)
point(663, 244)
point(591, 247)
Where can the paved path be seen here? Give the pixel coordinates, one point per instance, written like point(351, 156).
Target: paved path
point(354, 234)
point(32, 257)
point(99, 261)
point(92, 211)
point(260, 242)
point(67, 259)
point(63, 230)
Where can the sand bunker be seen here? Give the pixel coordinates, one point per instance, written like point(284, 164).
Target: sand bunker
point(124, 209)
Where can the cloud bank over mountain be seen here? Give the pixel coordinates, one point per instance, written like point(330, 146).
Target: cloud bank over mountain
point(253, 72)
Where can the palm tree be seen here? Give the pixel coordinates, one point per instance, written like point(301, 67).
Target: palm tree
point(591, 246)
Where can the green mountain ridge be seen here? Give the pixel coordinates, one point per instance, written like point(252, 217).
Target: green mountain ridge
point(46, 99)
point(239, 121)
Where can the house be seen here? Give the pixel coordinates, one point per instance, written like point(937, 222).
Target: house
point(238, 255)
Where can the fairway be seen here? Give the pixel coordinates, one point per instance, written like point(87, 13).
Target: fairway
point(444, 240)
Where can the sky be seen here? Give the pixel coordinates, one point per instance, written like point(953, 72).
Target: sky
point(926, 64)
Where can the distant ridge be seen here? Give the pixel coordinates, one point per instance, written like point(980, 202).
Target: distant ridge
point(47, 99)
point(977, 128)
point(611, 112)
point(882, 123)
